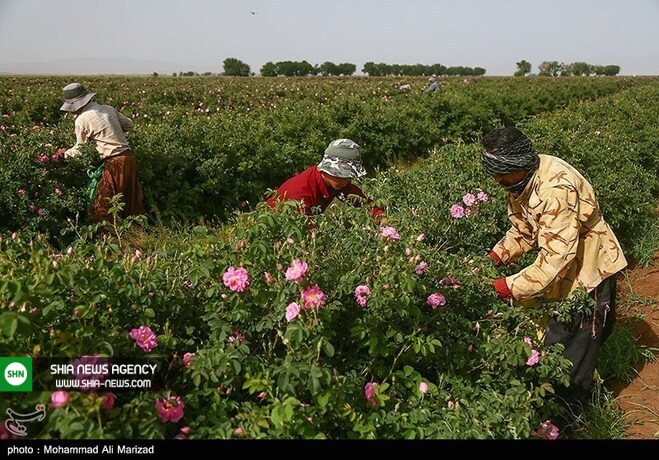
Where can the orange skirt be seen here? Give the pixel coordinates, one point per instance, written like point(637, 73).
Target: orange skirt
point(119, 176)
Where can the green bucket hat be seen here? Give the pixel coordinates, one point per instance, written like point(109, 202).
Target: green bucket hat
point(75, 97)
point(343, 159)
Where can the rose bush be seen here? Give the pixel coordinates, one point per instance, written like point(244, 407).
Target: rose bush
point(269, 327)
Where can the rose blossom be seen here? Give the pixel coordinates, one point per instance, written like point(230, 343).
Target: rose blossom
point(59, 398)
point(296, 271)
point(145, 338)
point(369, 392)
point(436, 300)
point(547, 430)
point(236, 279)
point(389, 232)
point(361, 295)
point(186, 359)
point(170, 409)
point(292, 311)
point(534, 359)
point(313, 297)
point(108, 401)
point(422, 267)
point(469, 199)
point(457, 211)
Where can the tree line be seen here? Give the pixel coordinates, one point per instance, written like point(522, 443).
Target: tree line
point(236, 68)
point(576, 69)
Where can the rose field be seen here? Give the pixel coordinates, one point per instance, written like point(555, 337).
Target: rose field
point(267, 325)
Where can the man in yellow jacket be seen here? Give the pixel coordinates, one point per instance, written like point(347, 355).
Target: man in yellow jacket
point(552, 206)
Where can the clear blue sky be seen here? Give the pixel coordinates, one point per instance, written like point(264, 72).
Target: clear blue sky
point(143, 36)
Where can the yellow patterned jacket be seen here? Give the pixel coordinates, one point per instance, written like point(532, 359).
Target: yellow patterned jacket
point(558, 212)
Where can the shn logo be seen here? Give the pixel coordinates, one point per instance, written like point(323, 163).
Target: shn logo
point(16, 374)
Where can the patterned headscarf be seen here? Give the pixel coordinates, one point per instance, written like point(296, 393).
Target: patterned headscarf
point(519, 156)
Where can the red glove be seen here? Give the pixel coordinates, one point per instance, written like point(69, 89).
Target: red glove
point(502, 289)
point(377, 212)
point(496, 257)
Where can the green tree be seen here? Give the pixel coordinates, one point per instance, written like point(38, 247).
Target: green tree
point(523, 68)
point(550, 69)
point(579, 69)
point(346, 68)
point(235, 68)
point(371, 69)
point(269, 69)
point(437, 69)
point(328, 68)
point(611, 70)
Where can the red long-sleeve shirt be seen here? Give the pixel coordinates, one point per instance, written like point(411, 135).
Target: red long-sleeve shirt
point(309, 188)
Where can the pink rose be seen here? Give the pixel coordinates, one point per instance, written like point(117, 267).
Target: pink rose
point(547, 431)
point(534, 359)
point(145, 338)
point(236, 279)
point(361, 295)
point(170, 409)
point(457, 211)
point(186, 359)
point(389, 232)
point(422, 267)
point(313, 297)
point(369, 392)
point(436, 300)
point(108, 401)
point(59, 398)
point(292, 311)
point(296, 271)
point(469, 199)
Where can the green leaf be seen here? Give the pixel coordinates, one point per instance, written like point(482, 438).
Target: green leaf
point(323, 399)
point(275, 418)
point(329, 349)
point(24, 326)
point(288, 413)
point(9, 324)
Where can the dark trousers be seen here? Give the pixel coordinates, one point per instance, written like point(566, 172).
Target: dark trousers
point(584, 336)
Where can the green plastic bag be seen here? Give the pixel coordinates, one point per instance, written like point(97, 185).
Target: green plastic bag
point(94, 174)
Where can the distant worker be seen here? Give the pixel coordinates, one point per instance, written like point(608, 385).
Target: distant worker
point(317, 186)
point(432, 84)
point(104, 127)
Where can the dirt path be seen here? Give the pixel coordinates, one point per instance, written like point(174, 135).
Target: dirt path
point(639, 309)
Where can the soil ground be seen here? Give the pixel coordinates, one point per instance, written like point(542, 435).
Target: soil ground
point(639, 309)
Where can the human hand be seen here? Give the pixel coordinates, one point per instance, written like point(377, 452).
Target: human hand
point(60, 152)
